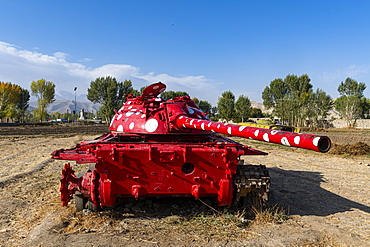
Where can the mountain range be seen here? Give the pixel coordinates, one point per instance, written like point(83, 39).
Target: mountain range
point(67, 106)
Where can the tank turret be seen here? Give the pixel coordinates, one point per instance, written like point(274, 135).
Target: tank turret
point(171, 148)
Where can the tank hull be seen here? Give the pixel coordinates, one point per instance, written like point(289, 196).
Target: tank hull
point(200, 166)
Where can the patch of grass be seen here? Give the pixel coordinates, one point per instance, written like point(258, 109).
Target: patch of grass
point(269, 214)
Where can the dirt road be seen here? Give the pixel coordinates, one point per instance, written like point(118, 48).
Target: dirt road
point(327, 196)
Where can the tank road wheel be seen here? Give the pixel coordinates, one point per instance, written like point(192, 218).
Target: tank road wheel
point(252, 185)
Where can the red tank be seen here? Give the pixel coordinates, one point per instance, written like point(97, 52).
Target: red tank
point(159, 148)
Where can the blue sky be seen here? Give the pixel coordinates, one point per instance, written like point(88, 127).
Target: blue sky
point(203, 47)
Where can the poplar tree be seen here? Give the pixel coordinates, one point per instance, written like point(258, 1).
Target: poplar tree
point(225, 106)
point(45, 93)
point(243, 109)
point(351, 104)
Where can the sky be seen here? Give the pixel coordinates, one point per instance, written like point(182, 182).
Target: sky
point(203, 47)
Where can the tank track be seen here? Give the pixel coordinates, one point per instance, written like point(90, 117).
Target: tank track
point(251, 181)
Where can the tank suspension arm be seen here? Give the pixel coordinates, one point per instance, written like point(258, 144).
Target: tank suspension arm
point(311, 142)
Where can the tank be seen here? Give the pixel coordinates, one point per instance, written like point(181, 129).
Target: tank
point(159, 148)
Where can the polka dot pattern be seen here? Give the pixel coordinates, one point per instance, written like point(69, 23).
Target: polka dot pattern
point(311, 142)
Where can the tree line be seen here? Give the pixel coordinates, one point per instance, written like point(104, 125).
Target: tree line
point(294, 101)
point(291, 99)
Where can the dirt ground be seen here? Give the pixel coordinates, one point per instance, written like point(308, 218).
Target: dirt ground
point(316, 200)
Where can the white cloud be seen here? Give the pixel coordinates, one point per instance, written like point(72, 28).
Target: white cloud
point(354, 71)
point(23, 66)
point(85, 60)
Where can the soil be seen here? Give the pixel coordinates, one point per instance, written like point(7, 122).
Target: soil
point(317, 199)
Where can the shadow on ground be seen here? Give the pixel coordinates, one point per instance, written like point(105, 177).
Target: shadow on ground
point(301, 191)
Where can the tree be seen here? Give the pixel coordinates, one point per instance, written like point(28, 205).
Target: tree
point(23, 103)
point(110, 94)
point(350, 104)
point(45, 93)
point(242, 109)
point(196, 100)
point(289, 98)
point(256, 113)
point(205, 106)
point(225, 106)
point(366, 107)
point(319, 106)
point(274, 97)
point(351, 87)
point(172, 94)
point(9, 96)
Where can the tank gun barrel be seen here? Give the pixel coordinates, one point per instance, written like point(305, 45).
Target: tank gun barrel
point(306, 141)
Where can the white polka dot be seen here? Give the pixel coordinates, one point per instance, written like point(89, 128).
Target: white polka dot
point(209, 125)
point(191, 122)
point(131, 126)
point(256, 133)
point(119, 116)
point(266, 137)
point(129, 113)
point(129, 107)
point(242, 127)
point(181, 117)
point(156, 87)
point(285, 141)
point(229, 130)
point(218, 126)
point(297, 140)
point(273, 132)
point(151, 125)
point(316, 141)
point(162, 89)
point(202, 126)
point(143, 116)
point(120, 128)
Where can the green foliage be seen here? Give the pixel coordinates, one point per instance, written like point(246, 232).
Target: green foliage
point(22, 104)
point(256, 113)
point(351, 105)
point(172, 94)
point(351, 87)
point(205, 106)
point(45, 93)
point(9, 96)
point(243, 109)
point(366, 108)
point(319, 105)
point(225, 106)
point(293, 100)
point(110, 94)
